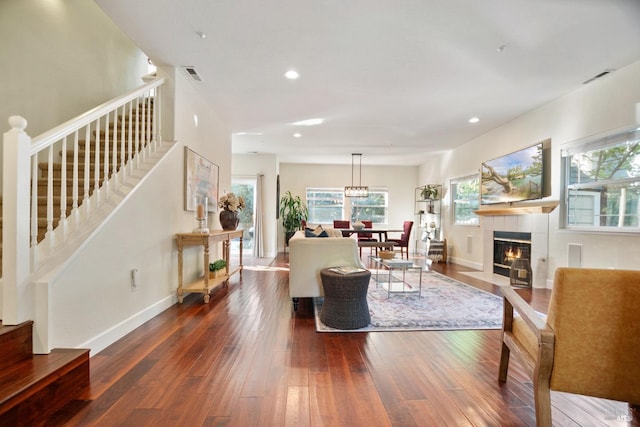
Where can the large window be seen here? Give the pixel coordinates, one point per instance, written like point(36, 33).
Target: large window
point(373, 208)
point(602, 183)
point(327, 204)
point(465, 199)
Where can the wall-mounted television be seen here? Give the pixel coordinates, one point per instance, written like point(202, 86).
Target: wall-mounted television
point(513, 177)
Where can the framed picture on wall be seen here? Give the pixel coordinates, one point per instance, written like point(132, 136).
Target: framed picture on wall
point(278, 197)
point(200, 178)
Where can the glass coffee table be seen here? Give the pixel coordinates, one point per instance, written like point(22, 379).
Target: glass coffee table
point(395, 281)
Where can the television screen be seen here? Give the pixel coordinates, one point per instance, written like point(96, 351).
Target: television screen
point(516, 176)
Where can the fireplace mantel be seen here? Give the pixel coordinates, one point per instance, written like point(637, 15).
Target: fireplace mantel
point(529, 208)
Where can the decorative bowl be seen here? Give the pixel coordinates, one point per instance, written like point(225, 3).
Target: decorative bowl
point(386, 254)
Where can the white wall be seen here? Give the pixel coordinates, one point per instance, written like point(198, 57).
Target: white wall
point(250, 165)
point(66, 54)
point(601, 106)
point(92, 301)
point(399, 180)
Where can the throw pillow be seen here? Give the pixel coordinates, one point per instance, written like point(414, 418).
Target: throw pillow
point(315, 232)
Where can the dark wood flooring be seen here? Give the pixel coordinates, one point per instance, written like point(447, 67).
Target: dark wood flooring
point(246, 359)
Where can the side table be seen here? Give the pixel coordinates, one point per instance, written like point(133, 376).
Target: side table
point(345, 299)
point(396, 265)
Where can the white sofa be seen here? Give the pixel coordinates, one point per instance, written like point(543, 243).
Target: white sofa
point(309, 255)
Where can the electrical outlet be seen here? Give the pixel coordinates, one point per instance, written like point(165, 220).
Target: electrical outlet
point(134, 279)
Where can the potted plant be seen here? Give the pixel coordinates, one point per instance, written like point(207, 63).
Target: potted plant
point(217, 268)
point(429, 192)
point(293, 212)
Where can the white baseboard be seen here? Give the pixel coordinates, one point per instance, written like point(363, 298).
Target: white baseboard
point(466, 263)
point(113, 334)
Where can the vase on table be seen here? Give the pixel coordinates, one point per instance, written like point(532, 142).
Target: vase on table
point(229, 220)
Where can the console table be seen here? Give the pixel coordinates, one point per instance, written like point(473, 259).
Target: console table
point(206, 283)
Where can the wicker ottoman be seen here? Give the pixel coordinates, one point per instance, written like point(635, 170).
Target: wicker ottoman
point(345, 299)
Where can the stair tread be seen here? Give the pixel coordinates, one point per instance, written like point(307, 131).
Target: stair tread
point(40, 368)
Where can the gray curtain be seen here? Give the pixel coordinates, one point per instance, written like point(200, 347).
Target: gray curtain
point(258, 240)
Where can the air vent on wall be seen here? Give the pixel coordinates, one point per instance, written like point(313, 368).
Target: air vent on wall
point(191, 71)
point(597, 76)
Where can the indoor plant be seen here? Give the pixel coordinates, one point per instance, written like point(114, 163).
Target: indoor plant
point(429, 192)
point(293, 212)
point(217, 267)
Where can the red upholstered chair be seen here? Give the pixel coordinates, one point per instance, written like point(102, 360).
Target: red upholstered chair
point(367, 237)
point(339, 223)
point(403, 241)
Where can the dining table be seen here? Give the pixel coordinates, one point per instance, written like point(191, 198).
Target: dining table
point(381, 242)
point(381, 232)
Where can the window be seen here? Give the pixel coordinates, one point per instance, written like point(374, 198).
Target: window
point(465, 198)
point(602, 183)
point(325, 205)
point(373, 208)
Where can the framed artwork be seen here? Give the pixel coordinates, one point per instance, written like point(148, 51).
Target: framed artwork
point(200, 178)
point(278, 197)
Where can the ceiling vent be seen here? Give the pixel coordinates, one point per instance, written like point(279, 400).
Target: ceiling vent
point(598, 76)
point(191, 71)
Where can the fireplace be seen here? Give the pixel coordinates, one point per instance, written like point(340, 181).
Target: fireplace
point(511, 257)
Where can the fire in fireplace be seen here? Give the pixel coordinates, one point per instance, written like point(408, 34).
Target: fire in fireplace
point(511, 256)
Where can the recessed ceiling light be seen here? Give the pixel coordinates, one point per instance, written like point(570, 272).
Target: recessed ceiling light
point(292, 74)
point(309, 122)
point(474, 120)
point(297, 135)
point(201, 34)
point(501, 48)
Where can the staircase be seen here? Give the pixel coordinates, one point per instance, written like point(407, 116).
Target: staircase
point(101, 141)
point(33, 388)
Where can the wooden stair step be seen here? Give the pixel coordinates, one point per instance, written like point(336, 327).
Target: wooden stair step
point(34, 389)
point(15, 344)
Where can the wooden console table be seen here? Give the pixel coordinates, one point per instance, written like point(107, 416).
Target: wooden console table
point(205, 284)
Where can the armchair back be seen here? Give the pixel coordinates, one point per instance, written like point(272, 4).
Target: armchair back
point(594, 316)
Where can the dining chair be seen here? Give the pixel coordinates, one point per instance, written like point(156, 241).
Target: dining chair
point(588, 343)
point(367, 237)
point(340, 223)
point(403, 241)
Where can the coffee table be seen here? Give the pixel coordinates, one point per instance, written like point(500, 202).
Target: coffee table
point(396, 283)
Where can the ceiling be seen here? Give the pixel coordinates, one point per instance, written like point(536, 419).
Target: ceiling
point(393, 80)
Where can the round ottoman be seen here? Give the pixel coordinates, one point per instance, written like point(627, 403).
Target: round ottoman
point(345, 299)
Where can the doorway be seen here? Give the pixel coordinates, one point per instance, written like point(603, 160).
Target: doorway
point(245, 187)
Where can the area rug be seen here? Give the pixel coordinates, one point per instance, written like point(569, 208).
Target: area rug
point(445, 304)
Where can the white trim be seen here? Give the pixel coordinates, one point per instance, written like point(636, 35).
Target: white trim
point(113, 334)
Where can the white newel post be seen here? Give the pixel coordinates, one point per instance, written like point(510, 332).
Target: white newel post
point(16, 299)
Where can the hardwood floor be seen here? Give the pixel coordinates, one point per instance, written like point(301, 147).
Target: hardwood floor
point(246, 359)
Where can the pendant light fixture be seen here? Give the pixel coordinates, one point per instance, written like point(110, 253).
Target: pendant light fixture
point(356, 190)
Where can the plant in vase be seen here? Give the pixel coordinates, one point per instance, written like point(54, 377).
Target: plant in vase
point(230, 205)
point(217, 268)
point(429, 192)
point(293, 212)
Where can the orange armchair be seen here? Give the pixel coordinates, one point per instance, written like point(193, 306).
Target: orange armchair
point(403, 241)
point(589, 342)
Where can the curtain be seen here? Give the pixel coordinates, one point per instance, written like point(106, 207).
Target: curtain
point(258, 240)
